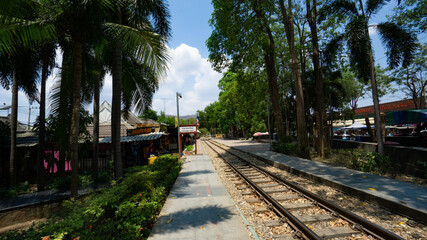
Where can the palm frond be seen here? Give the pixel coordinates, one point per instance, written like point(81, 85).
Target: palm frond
point(156, 10)
point(400, 43)
point(340, 7)
point(28, 34)
point(26, 68)
point(372, 6)
point(359, 45)
point(331, 49)
point(139, 85)
point(148, 47)
point(25, 9)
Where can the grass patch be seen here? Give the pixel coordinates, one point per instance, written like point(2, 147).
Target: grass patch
point(127, 210)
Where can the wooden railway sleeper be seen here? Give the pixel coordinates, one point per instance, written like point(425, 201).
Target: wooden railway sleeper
point(297, 235)
point(364, 226)
point(335, 214)
point(356, 226)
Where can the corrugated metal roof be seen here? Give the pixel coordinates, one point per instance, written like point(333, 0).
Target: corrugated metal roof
point(136, 138)
point(27, 139)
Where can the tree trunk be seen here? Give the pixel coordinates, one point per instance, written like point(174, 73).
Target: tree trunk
point(75, 117)
point(369, 129)
point(95, 129)
point(285, 97)
point(320, 102)
point(62, 163)
point(116, 110)
point(42, 128)
point(377, 116)
point(302, 58)
point(270, 65)
point(13, 127)
point(301, 124)
point(269, 58)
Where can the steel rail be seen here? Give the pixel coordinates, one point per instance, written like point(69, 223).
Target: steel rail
point(283, 212)
point(365, 225)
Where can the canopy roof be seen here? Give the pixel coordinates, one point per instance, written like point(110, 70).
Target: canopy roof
point(356, 125)
point(257, 134)
point(406, 117)
point(136, 138)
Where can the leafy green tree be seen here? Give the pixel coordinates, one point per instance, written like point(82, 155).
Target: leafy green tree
point(241, 32)
point(411, 13)
point(412, 79)
point(353, 89)
point(287, 18)
point(311, 7)
point(169, 120)
point(399, 42)
point(149, 114)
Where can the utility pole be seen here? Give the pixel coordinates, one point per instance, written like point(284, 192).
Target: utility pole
point(178, 96)
point(268, 119)
point(164, 104)
point(29, 116)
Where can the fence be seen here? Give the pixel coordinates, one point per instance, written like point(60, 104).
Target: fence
point(85, 164)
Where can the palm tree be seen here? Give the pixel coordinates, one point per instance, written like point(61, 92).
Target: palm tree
point(143, 38)
point(78, 20)
point(20, 31)
point(21, 73)
point(399, 42)
point(47, 58)
point(100, 74)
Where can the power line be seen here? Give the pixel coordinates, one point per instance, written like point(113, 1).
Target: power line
point(164, 103)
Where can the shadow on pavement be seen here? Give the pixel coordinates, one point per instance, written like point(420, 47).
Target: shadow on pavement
point(189, 173)
point(193, 217)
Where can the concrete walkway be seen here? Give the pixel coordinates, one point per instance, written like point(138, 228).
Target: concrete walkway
point(401, 197)
point(199, 206)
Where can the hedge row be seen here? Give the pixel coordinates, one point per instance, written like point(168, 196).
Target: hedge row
point(127, 210)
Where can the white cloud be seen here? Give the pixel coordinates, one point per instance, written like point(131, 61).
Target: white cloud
point(373, 29)
point(193, 77)
point(188, 73)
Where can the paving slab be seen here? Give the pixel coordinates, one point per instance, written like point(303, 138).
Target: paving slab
point(402, 197)
point(199, 206)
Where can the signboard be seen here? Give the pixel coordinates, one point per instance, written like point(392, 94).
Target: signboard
point(139, 131)
point(188, 129)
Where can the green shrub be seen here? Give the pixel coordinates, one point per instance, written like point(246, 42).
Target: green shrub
point(287, 139)
point(127, 210)
point(371, 162)
point(188, 148)
point(14, 191)
point(65, 182)
point(288, 148)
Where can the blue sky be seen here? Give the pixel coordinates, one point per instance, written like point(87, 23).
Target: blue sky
point(189, 71)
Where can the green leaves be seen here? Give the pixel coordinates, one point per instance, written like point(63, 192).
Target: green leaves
point(148, 47)
point(400, 43)
point(119, 212)
point(372, 6)
point(338, 7)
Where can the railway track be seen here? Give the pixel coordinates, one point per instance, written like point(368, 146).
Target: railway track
point(301, 213)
